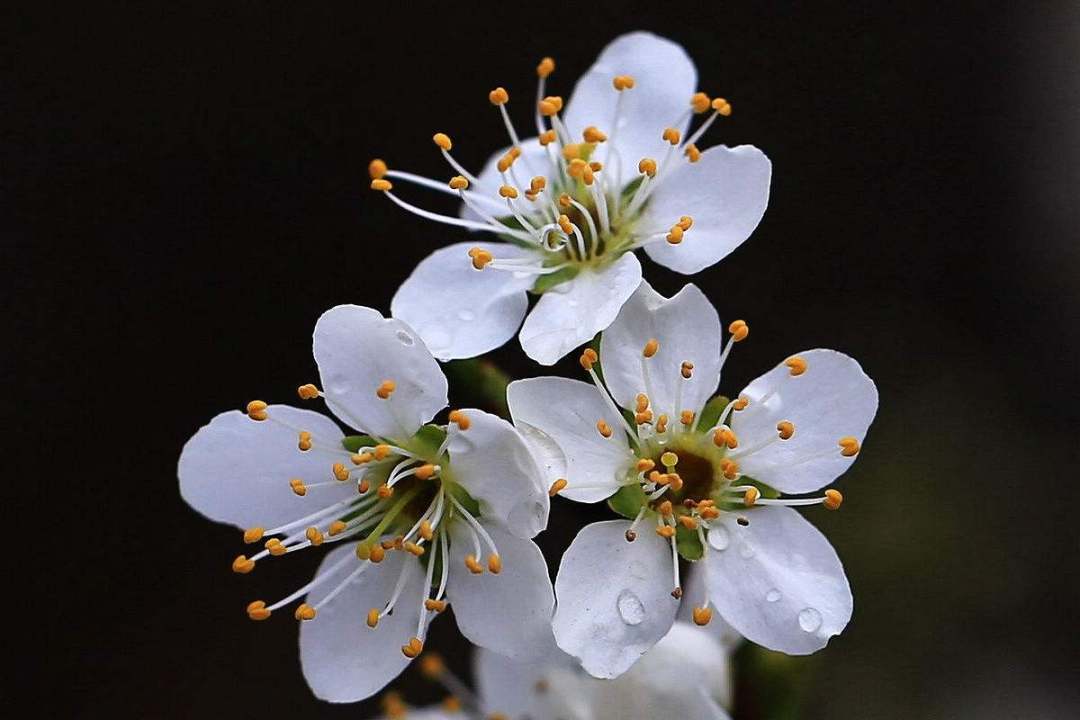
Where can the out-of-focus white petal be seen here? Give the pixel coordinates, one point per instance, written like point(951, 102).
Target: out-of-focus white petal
point(357, 350)
point(342, 658)
point(459, 311)
point(831, 400)
point(614, 597)
point(534, 160)
point(664, 79)
point(726, 193)
point(558, 418)
point(694, 591)
point(778, 581)
point(508, 612)
point(571, 313)
point(237, 470)
point(493, 463)
point(687, 329)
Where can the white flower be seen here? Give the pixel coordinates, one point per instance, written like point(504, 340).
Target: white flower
point(699, 478)
point(408, 499)
point(618, 170)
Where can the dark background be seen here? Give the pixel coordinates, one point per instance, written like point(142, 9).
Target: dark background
point(184, 191)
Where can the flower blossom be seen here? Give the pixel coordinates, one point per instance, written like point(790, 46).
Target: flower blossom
point(696, 478)
point(614, 170)
point(426, 514)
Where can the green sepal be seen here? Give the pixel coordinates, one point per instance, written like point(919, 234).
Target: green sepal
point(711, 413)
point(353, 443)
point(546, 282)
point(466, 500)
point(628, 501)
point(689, 543)
point(428, 440)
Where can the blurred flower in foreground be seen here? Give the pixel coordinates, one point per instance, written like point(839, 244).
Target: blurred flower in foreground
point(615, 171)
point(685, 675)
point(696, 478)
point(418, 505)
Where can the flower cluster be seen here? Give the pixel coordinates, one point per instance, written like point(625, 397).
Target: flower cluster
point(428, 509)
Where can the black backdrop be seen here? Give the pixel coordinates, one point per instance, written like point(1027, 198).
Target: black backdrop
point(184, 191)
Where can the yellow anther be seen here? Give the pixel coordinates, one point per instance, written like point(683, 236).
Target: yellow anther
point(340, 472)
point(538, 183)
point(548, 137)
point(603, 428)
point(474, 567)
point(557, 486)
point(546, 67)
point(622, 82)
point(435, 605)
point(361, 458)
point(596, 166)
point(565, 201)
point(833, 498)
point(797, 365)
point(666, 508)
point(275, 547)
point(381, 452)
point(710, 513)
point(451, 704)
point(850, 446)
point(298, 487)
point(387, 544)
point(304, 440)
point(587, 175)
point(431, 664)
point(685, 222)
point(307, 392)
point(257, 610)
point(254, 535)
point(565, 225)
point(337, 527)
point(661, 424)
point(672, 135)
point(242, 565)
point(304, 612)
point(458, 182)
point(740, 403)
point(506, 162)
point(658, 478)
point(372, 618)
point(414, 549)
point(387, 387)
point(425, 472)
point(666, 531)
point(426, 531)
point(686, 417)
point(739, 330)
point(592, 134)
point(378, 554)
point(702, 616)
point(256, 410)
point(688, 522)
point(377, 169)
point(675, 236)
point(494, 564)
point(550, 105)
point(363, 486)
point(721, 106)
point(700, 102)
point(588, 358)
point(650, 348)
point(508, 191)
point(785, 429)
point(385, 491)
point(751, 496)
point(675, 481)
point(460, 419)
point(442, 140)
point(692, 153)
point(643, 417)
point(381, 185)
point(414, 648)
point(687, 370)
point(645, 465)
point(723, 437)
point(729, 468)
point(647, 166)
point(576, 168)
point(480, 257)
point(498, 96)
point(394, 707)
point(314, 536)
point(669, 459)
point(642, 403)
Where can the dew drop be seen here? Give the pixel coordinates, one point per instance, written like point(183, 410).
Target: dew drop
point(572, 302)
point(719, 537)
point(747, 551)
point(809, 619)
point(466, 315)
point(404, 338)
point(337, 384)
point(630, 608)
point(772, 596)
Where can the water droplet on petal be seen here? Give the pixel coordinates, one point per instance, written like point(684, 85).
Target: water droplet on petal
point(337, 384)
point(773, 595)
point(630, 608)
point(747, 550)
point(466, 315)
point(572, 302)
point(437, 340)
point(719, 538)
point(404, 338)
point(809, 619)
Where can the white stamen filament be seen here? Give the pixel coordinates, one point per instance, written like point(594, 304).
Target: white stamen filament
point(317, 580)
point(458, 222)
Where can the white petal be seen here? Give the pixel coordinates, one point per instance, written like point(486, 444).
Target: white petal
point(510, 612)
point(493, 463)
point(558, 418)
point(357, 351)
point(614, 597)
point(459, 311)
point(664, 79)
point(343, 659)
point(726, 193)
point(237, 470)
point(510, 687)
point(833, 399)
point(686, 327)
point(778, 581)
point(694, 592)
point(571, 313)
point(534, 160)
